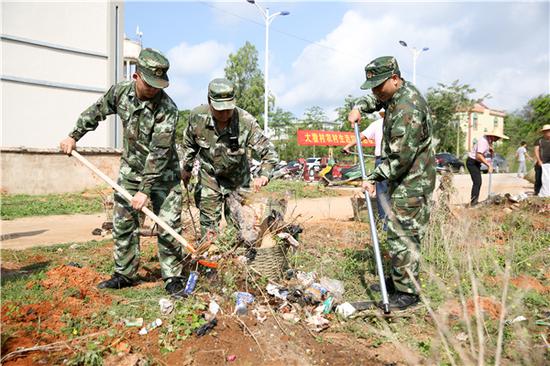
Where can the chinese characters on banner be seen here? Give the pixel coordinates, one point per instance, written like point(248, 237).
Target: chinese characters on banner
point(328, 138)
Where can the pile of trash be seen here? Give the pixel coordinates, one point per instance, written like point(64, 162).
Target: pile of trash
point(306, 297)
point(511, 202)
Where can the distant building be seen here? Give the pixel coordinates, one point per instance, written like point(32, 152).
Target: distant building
point(478, 121)
point(57, 59)
point(131, 53)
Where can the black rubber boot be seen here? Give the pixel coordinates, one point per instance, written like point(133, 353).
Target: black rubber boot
point(390, 287)
point(401, 301)
point(117, 281)
point(176, 288)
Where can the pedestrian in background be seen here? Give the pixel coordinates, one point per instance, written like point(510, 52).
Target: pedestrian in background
point(542, 165)
point(476, 157)
point(521, 154)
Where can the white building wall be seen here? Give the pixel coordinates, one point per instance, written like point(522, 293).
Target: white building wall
point(71, 48)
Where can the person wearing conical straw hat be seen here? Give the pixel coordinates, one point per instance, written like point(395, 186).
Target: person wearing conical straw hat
point(542, 165)
point(476, 157)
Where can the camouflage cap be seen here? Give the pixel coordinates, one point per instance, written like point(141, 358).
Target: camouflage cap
point(379, 70)
point(221, 93)
point(152, 66)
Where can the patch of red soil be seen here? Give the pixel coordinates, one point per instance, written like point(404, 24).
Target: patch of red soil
point(275, 348)
point(72, 291)
point(529, 283)
point(540, 222)
point(79, 283)
point(8, 267)
point(487, 305)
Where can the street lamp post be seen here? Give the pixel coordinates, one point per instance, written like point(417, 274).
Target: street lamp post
point(268, 18)
point(415, 53)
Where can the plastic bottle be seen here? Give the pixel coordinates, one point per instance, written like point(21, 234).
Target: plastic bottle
point(149, 327)
point(191, 282)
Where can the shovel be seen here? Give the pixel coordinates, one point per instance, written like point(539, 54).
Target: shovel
point(128, 197)
point(374, 234)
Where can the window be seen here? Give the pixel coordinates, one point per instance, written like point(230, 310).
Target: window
point(495, 122)
point(474, 121)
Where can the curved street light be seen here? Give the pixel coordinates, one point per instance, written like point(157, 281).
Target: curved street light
point(268, 18)
point(415, 53)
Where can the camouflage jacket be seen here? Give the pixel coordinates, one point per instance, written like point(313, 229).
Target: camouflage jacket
point(149, 154)
point(407, 152)
point(222, 168)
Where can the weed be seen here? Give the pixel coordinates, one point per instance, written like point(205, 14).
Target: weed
point(91, 356)
point(184, 320)
point(424, 347)
point(73, 326)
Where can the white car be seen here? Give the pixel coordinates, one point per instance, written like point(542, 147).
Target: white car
point(313, 162)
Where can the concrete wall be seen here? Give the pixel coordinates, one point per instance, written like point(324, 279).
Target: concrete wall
point(58, 58)
point(44, 171)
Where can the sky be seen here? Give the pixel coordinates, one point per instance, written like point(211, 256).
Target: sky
point(318, 52)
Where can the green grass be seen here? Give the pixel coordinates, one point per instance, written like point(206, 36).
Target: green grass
point(298, 189)
point(24, 205)
point(445, 250)
point(445, 274)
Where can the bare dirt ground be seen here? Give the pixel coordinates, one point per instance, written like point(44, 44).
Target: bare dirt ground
point(75, 314)
point(48, 230)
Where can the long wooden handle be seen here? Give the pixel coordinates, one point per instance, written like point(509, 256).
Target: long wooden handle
point(129, 197)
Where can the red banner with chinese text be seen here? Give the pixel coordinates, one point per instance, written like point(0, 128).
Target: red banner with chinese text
point(328, 138)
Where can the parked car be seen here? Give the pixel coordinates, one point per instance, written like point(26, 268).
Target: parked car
point(313, 162)
point(448, 162)
point(293, 166)
point(500, 165)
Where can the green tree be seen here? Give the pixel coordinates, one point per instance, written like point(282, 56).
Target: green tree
point(524, 125)
point(183, 120)
point(242, 69)
point(343, 111)
point(445, 101)
point(285, 135)
point(279, 121)
point(314, 118)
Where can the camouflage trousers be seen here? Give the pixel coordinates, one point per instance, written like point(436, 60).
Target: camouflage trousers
point(407, 224)
point(211, 203)
point(166, 200)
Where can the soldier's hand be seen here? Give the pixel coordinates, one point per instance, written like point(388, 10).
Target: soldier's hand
point(490, 168)
point(139, 201)
point(369, 188)
point(67, 145)
point(354, 116)
point(259, 183)
point(185, 177)
point(345, 150)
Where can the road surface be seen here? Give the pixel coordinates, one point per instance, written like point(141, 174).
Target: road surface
point(49, 230)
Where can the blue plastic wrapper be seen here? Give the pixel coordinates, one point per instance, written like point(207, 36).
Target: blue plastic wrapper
point(191, 282)
point(242, 299)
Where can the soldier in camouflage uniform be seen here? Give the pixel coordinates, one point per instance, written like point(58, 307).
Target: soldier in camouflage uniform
point(408, 165)
point(219, 135)
point(149, 167)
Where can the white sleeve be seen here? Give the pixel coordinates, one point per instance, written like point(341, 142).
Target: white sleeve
point(368, 133)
